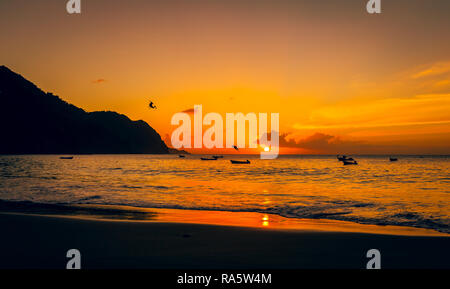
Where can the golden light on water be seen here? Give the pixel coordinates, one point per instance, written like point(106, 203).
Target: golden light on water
point(266, 202)
point(265, 221)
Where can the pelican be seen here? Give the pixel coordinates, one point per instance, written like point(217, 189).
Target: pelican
point(152, 105)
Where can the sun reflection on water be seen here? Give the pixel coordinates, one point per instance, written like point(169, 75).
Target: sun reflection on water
point(265, 221)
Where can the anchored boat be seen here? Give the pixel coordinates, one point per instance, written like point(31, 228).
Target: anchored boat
point(240, 162)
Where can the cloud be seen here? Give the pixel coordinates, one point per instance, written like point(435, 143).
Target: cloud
point(320, 142)
point(419, 110)
point(433, 70)
point(189, 110)
point(442, 83)
point(374, 125)
point(325, 143)
point(99, 81)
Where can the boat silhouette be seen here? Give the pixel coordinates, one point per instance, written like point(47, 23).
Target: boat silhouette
point(208, 159)
point(349, 162)
point(240, 162)
point(393, 159)
point(66, 158)
point(344, 158)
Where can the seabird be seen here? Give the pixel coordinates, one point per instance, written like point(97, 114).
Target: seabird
point(152, 105)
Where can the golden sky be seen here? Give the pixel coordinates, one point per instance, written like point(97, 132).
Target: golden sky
point(341, 79)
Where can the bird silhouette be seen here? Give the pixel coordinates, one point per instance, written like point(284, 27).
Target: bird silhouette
point(236, 148)
point(152, 105)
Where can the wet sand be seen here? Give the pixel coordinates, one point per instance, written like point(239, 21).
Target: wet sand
point(32, 241)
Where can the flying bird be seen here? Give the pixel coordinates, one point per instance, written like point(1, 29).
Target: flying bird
point(236, 148)
point(152, 105)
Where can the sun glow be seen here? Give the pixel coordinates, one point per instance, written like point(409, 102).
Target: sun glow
point(265, 220)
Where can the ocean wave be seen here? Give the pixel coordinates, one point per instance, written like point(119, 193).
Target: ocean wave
point(409, 219)
point(96, 197)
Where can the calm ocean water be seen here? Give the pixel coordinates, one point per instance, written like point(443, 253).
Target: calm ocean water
point(411, 192)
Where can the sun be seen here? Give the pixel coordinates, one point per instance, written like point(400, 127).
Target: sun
point(266, 149)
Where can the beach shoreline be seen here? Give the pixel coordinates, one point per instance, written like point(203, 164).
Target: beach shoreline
point(40, 242)
point(208, 217)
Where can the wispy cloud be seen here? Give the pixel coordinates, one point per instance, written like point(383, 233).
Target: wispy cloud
point(429, 109)
point(189, 110)
point(373, 125)
point(324, 143)
point(433, 70)
point(99, 81)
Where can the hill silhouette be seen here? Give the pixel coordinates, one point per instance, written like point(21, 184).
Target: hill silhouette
point(35, 122)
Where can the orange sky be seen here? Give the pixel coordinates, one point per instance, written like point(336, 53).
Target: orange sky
point(342, 80)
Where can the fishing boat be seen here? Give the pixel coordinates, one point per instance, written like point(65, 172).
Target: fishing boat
point(240, 162)
point(393, 159)
point(218, 157)
point(344, 158)
point(208, 159)
point(348, 162)
point(66, 158)
point(181, 156)
point(341, 158)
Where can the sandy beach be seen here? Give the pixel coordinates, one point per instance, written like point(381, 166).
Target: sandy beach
point(33, 241)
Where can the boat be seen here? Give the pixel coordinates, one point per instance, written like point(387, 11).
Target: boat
point(240, 162)
point(181, 156)
point(348, 162)
point(218, 157)
point(66, 158)
point(344, 158)
point(393, 159)
point(208, 159)
point(341, 158)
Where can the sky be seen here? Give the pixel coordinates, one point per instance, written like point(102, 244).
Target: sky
point(342, 80)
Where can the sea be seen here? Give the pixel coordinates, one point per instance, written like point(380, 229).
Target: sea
point(413, 191)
